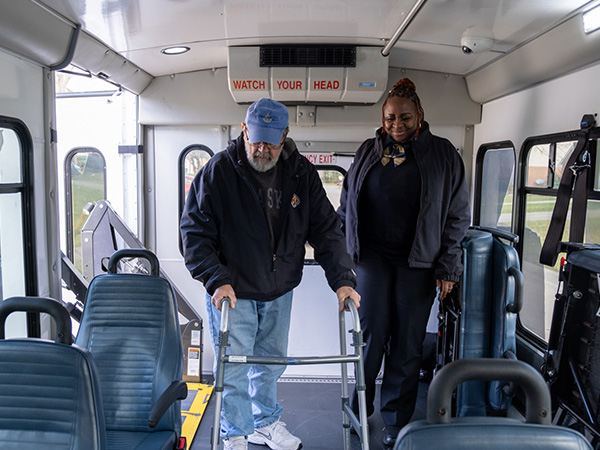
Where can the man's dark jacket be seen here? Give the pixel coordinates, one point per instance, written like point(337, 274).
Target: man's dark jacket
point(225, 234)
point(444, 213)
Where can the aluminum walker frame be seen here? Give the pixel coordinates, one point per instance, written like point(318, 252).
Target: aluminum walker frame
point(349, 418)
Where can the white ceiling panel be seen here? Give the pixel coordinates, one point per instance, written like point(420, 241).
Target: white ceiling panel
point(139, 29)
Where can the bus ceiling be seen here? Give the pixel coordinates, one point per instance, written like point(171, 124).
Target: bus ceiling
point(497, 47)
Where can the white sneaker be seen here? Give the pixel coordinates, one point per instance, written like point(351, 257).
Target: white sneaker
point(235, 443)
point(276, 436)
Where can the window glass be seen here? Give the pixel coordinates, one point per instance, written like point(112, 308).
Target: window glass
point(592, 222)
point(17, 270)
point(497, 188)
point(538, 161)
point(191, 160)
point(541, 282)
point(10, 157)
point(563, 153)
point(194, 160)
point(87, 172)
point(332, 180)
point(596, 167)
point(12, 258)
point(546, 164)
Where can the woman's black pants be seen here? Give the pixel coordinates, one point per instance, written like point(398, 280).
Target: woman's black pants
point(394, 310)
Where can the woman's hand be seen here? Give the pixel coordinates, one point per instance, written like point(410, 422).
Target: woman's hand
point(346, 292)
point(444, 288)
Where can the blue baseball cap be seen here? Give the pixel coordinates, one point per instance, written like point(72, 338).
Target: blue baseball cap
point(266, 120)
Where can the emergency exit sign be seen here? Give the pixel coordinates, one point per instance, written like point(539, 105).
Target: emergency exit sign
point(325, 159)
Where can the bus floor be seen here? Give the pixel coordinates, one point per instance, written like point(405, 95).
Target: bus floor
point(312, 411)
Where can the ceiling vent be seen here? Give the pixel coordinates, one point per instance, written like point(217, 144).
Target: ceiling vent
point(308, 56)
point(307, 74)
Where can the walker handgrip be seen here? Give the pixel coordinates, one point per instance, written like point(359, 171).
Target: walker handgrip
point(225, 304)
point(349, 303)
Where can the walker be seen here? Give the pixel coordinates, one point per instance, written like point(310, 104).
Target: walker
point(348, 417)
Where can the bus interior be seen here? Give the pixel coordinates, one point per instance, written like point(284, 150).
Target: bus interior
point(109, 108)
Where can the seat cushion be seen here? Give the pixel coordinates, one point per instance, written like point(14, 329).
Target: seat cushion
point(128, 440)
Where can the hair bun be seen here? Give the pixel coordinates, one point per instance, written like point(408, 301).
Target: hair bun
point(405, 84)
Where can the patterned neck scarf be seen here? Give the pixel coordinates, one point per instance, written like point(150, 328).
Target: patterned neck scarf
point(393, 152)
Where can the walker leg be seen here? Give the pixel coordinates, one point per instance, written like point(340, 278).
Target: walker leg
point(220, 375)
point(345, 398)
point(361, 389)
point(357, 343)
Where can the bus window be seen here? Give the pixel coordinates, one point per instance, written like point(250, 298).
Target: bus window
point(17, 249)
point(85, 183)
point(191, 160)
point(494, 185)
point(332, 178)
point(544, 164)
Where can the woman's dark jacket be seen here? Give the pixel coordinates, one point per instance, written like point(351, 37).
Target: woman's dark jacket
point(444, 213)
point(226, 238)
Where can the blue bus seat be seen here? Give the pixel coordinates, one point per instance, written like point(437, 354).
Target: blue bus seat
point(507, 302)
point(130, 325)
point(49, 391)
point(474, 339)
point(442, 432)
point(479, 320)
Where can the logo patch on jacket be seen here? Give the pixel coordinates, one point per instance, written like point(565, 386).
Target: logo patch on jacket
point(295, 201)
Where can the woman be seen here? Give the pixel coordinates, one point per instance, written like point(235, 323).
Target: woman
point(405, 209)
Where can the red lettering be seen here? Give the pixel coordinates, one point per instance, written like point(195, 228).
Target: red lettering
point(326, 85)
point(248, 84)
point(285, 85)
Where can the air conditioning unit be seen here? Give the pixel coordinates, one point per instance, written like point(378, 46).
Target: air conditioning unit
point(307, 74)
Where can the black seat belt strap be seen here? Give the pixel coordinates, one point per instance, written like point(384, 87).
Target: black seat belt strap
point(579, 209)
point(575, 173)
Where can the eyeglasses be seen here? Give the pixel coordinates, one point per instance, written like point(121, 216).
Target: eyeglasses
point(256, 145)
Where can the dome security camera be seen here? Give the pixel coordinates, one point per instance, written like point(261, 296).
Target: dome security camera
point(475, 44)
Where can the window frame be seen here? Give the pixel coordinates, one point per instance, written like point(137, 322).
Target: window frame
point(26, 189)
point(344, 172)
point(69, 195)
point(181, 180)
point(481, 152)
point(523, 191)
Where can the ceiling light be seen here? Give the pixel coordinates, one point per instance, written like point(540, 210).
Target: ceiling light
point(591, 20)
point(178, 50)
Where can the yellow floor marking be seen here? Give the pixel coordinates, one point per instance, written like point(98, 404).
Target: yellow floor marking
point(192, 417)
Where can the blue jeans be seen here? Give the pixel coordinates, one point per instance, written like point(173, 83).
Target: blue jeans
point(250, 390)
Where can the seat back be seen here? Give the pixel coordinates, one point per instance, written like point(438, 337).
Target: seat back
point(49, 391)
point(130, 325)
point(475, 316)
point(485, 311)
point(507, 302)
point(442, 432)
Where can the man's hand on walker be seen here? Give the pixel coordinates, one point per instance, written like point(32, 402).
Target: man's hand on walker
point(346, 292)
point(225, 291)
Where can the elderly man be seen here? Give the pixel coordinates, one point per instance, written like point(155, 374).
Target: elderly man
point(248, 214)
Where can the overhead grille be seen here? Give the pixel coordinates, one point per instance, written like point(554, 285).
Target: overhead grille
point(308, 56)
